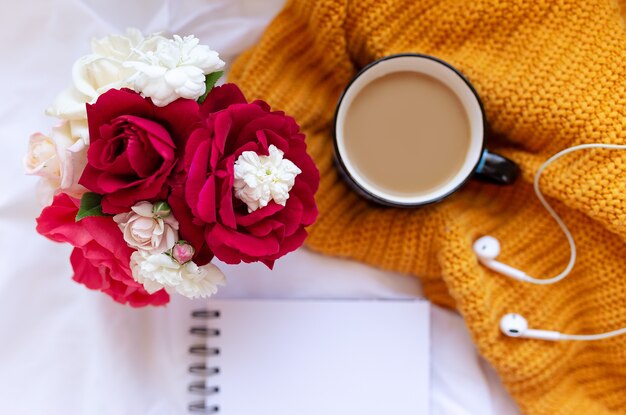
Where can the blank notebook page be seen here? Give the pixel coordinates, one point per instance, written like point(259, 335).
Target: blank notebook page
point(306, 357)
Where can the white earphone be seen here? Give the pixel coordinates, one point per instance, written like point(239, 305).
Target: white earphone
point(515, 325)
point(487, 249)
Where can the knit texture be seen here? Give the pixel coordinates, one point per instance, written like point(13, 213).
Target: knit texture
point(551, 74)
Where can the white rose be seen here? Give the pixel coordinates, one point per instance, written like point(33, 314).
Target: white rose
point(59, 160)
point(160, 271)
point(175, 70)
point(103, 69)
point(118, 47)
point(146, 231)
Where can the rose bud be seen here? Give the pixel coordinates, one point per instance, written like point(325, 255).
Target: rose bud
point(182, 252)
point(161, 209)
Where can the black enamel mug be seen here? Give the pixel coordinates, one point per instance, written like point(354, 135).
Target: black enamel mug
point(479, 162)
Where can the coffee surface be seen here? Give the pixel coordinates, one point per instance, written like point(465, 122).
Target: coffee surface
point(406, 134)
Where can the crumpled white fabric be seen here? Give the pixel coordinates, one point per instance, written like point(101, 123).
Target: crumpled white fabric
point(67, 350)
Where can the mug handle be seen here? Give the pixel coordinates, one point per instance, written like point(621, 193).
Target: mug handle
point(497, 169)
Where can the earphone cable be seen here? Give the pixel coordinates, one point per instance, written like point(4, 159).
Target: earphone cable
point(591, 337)
point(557, 218)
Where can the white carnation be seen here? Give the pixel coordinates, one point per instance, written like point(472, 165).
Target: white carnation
point(160, 271)
point(200, 281)
point(174, 70)
point(155, 272)
point(260, 179)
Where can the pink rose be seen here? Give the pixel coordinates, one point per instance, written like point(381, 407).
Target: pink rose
point(145, 230)
point(41, 158)
point(59, 160)
point(101, 258)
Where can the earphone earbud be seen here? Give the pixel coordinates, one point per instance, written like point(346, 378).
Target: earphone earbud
point(515, 325)
point(487, 249)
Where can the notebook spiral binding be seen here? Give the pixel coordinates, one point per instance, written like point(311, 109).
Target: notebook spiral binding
point(201, 369)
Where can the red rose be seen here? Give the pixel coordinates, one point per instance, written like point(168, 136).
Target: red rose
point(210, 216)
point(133, 147)
point(101, 257)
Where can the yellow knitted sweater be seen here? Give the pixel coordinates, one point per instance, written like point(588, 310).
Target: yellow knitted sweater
point(552, 74)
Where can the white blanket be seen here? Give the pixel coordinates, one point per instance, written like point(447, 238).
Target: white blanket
point(66, 350)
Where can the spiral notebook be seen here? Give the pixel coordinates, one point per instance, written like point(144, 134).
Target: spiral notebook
point(305, 357)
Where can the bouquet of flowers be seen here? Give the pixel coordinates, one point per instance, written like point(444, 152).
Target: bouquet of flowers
point(153, 171)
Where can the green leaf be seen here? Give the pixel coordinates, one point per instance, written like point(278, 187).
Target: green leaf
point(89, 206)
point(209, 81)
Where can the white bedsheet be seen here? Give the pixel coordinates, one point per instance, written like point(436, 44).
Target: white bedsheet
point(66, 350)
